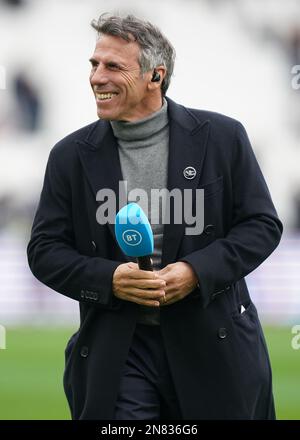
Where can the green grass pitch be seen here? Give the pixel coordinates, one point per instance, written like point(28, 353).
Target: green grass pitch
point(32, 365)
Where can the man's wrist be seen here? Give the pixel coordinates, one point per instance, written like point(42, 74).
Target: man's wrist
point(194, 278)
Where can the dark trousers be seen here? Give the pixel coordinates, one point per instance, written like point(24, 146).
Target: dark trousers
point(146, 389)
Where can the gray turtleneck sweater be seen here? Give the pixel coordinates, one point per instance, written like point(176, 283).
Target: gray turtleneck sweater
point(143, 151)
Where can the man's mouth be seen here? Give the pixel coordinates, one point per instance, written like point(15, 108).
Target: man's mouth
point(105, 96)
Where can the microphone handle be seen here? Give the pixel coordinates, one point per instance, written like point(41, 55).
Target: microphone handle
point(145, 263)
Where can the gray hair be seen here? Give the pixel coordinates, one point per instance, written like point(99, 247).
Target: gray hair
point(155, 48)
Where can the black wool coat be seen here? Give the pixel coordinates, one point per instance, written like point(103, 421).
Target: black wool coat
point(218, 356)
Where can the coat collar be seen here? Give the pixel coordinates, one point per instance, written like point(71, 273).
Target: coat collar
point(187, 145)
point(177, 113)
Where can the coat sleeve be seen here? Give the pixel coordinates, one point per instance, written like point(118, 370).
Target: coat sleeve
point(52, 256)
point(255, 228)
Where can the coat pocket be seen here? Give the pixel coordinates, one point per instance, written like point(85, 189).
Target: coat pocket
point(252, 354)
point(213, 187)
point(245, 312)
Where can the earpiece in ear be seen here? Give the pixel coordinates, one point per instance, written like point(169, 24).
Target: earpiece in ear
point(155, 76)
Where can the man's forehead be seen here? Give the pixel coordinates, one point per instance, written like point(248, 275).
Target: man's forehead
point(108, 45)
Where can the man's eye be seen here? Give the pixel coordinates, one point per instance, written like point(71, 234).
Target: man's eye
point(113, 66)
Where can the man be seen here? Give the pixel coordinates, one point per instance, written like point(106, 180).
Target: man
point(184, 341)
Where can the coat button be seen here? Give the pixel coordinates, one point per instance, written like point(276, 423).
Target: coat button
point(222, 333)
point(84, 352)
point(94, 246)
point(95, 296)
point(209, 229)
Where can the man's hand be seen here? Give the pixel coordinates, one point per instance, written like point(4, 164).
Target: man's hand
point(140, 286)
point(180, 279)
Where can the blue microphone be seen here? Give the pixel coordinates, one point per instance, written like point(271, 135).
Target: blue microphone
point(134, 234)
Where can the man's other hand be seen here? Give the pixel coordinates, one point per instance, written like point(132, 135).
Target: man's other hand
point(140, 286)
point(180, 280)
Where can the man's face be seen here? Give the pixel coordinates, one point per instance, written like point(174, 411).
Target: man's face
point(120, 90)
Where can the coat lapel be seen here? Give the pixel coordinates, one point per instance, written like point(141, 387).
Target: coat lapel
point(187, 146)
point(100, 160)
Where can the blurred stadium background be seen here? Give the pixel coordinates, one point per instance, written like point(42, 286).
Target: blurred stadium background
point(233, 56)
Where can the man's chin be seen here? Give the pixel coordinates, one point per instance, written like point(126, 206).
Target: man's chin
point(105, 116)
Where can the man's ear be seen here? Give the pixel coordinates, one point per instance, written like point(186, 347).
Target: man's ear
point(156, 77)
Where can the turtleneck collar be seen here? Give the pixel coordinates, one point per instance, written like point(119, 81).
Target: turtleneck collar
point(143, 128)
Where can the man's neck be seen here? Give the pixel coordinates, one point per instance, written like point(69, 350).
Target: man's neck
point(146, 110)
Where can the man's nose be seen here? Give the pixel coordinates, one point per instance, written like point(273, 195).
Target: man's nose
point(99, 76)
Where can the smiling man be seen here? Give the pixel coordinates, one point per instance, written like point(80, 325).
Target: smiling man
point(184, 341)
point(122, 92)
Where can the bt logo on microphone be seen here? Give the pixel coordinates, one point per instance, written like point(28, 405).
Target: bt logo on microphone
point(132, 237)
